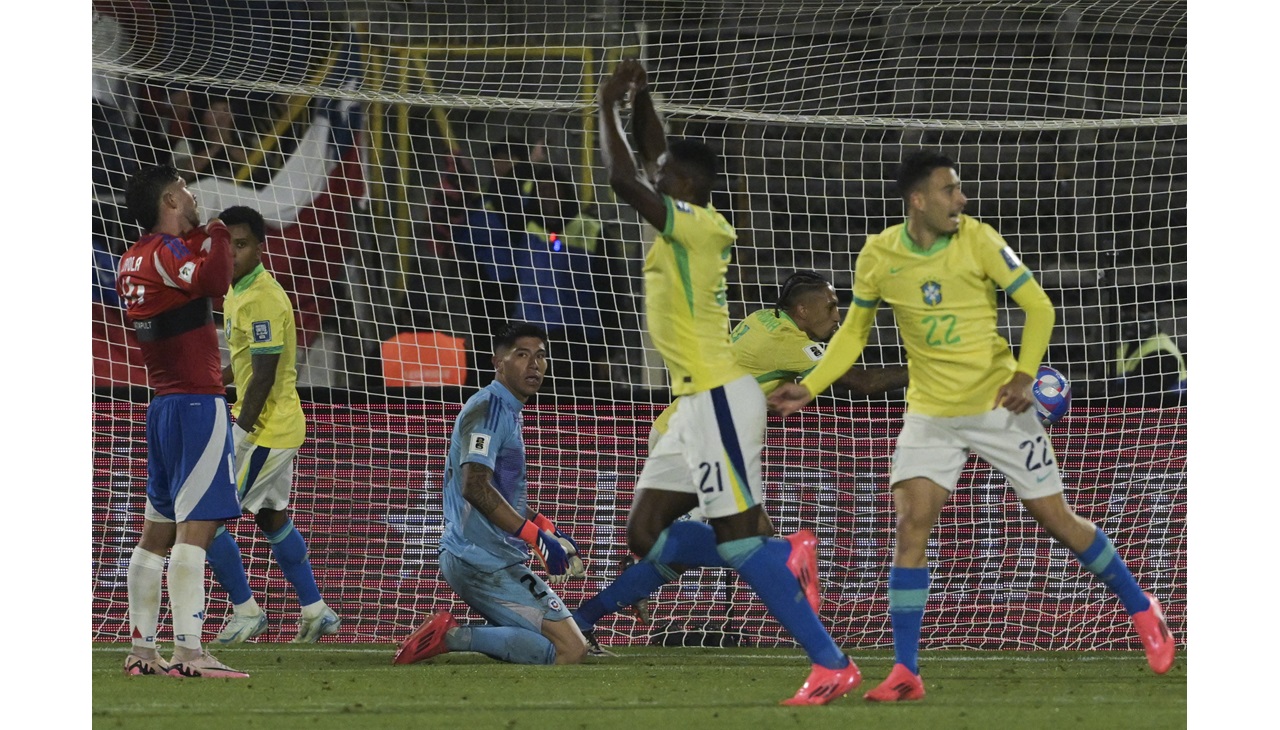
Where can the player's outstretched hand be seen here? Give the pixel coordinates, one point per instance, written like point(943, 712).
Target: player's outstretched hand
point(545, 547)
point(788, 398)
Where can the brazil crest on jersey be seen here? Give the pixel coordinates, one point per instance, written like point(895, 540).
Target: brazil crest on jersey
point(258, 320)
point(685, 297)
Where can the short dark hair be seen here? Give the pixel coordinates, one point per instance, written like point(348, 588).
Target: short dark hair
point(237, 214)
point(797, 285)
point(698, 157)
point(142, 196)
point(917, 166)
point(506, 339)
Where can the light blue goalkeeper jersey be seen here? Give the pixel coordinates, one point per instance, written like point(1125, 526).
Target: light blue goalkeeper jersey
point(487, 432)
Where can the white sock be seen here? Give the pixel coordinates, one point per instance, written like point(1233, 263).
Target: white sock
point(312, 610)
point(186, 594)
point(146, 570)
point(248, 608)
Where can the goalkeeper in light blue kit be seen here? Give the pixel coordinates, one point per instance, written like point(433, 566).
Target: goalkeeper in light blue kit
point(490, 530)
point(939, 271)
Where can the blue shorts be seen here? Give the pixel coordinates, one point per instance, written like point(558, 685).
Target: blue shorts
point(189, 459)
point(510, 596)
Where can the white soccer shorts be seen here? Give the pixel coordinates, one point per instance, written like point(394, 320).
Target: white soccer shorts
point(712, 449)
point(1017, 445)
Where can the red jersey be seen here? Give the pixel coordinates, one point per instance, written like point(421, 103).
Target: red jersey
point(168, 285)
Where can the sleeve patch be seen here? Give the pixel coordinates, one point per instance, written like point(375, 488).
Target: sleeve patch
point(479, 444)
point(683, 207)
point(1010, 259)
point(187, 272)
point(262, 331)
point(815, 350)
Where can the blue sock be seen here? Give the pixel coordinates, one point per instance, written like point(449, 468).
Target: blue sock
point(762, 563)
point(291, 554)
point(505, 643)
point(908, 592)
point(633, 584)
point(228, 567)
point(690, 543)
point(1101, 559)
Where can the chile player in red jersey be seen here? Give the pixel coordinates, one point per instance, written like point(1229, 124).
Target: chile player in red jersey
point(168, 281)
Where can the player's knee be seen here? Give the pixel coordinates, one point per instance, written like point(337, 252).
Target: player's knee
point(641, 539)
point(270, 520)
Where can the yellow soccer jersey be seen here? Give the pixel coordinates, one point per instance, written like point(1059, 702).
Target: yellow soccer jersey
point(944, 302)
point(258, 319)
point(769, 346)
point(685, 297)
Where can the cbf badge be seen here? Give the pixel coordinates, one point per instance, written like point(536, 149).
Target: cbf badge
point(932, 293)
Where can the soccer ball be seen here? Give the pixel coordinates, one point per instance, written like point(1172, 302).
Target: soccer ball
point(1053, 395)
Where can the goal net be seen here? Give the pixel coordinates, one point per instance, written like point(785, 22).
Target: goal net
point(402, 151)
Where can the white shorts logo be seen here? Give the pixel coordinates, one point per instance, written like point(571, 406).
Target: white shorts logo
point(479, 444)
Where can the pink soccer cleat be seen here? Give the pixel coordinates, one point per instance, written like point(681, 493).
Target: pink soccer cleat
point(1157, 641)
point(427, 641)
point(803, 563)
point(824, 685)
point(902, 685)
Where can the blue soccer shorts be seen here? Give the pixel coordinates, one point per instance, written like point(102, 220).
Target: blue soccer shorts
point(190, 473)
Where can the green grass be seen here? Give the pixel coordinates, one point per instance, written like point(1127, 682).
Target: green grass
point(649, 688)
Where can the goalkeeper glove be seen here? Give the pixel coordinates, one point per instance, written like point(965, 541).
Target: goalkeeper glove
point(545, 547)
point(545, 525)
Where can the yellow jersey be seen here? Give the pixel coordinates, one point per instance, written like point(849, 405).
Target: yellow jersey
point(944, 302)
point(770, 346)
point(258, 320)
point(685, 297)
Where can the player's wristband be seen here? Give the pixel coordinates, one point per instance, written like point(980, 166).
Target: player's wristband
point(546, 525)
point(545, 547)
point(543, 523)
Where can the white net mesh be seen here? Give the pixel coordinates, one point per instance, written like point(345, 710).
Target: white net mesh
point(368, 132)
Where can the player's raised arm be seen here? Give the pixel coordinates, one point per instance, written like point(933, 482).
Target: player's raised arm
point(628, 181)
point(650, 131)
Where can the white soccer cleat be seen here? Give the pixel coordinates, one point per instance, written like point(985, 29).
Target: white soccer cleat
point(206, 665)
point(311, 629)
point(137, 665)
point(241, 628)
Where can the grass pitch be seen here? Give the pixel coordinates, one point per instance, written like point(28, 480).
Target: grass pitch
point(646, 688)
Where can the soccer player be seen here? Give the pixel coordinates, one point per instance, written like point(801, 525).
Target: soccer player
point(710, 456)
point(268, 431)
point(168, 280)
point(939, 272)
point(777, 344)
point(490, 529)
